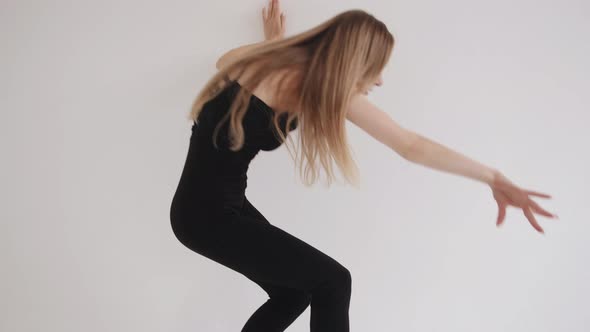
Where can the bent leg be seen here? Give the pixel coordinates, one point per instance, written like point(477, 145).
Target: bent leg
point(270, 256)
point(284, 304)
point(281, 309)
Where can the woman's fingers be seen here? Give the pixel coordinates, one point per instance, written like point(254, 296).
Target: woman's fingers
point(527, 210)
point(534, 193)
point(529, 214)
point(273, 20)
point(274, 8)
point(501, 214)
point(274, 11)
point(509, 194)
point(540, 210)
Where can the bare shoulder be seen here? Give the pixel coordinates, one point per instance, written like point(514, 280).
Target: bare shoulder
point(269, 91)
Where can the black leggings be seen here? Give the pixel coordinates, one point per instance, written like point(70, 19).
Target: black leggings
point(292, 272)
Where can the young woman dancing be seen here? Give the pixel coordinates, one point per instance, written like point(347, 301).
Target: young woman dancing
point(313, 81)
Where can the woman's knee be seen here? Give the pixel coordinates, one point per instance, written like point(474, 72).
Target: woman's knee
point(338, 277)
point(344, 277)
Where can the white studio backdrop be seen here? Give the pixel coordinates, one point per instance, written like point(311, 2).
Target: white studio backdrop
point(94, 136)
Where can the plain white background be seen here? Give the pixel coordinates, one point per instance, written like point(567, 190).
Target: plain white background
point(94, 96)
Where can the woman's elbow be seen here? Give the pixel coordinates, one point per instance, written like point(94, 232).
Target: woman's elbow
point(409, 146)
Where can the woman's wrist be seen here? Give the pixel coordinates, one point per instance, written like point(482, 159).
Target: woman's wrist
point(274, 38)
point(500, 180)
point(494, 176)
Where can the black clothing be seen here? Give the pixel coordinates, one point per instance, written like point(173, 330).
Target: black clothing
point(211, 215)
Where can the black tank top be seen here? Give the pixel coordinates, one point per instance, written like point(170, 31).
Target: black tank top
point(214, 177)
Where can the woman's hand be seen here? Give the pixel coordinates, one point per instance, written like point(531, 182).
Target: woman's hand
point(506, 193)
point(274, 21)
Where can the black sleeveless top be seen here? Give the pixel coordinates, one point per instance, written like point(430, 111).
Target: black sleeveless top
point(214, 177)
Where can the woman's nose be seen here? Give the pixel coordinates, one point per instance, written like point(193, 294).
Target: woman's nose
point(379, 81)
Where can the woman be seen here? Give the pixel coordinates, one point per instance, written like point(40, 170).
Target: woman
point(313, 82)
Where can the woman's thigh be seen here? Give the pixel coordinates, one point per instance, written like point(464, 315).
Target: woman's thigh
point(260, 250)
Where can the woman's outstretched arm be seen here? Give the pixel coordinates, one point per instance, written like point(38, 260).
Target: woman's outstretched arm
point(421, 150)
point(427, 152)
point(413, 146)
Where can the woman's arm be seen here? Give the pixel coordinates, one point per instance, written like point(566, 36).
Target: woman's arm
point(421, 150)
point(274, 29)
point(237, 52)
point(426, 152)
point(413, 146)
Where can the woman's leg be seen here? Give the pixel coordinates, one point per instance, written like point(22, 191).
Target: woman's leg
point(281, 309)
point(284, 305)
point(289, 269)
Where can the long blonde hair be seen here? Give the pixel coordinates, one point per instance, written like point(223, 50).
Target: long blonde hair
point(338, 58)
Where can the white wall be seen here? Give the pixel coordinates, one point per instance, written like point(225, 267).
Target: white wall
point(94, 96)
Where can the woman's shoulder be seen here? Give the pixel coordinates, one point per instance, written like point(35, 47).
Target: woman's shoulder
point(279, 98)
